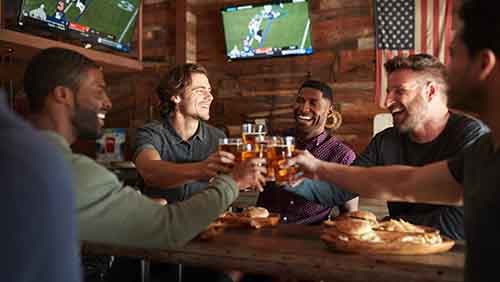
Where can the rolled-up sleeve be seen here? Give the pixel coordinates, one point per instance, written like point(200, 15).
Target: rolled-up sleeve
point(146, 138)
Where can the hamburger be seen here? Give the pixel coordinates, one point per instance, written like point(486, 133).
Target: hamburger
point(363, 215)
point(256, 212)
point(355, 229)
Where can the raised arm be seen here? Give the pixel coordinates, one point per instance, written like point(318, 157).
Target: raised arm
point(109, 213)
point(163, 174)
point(390, 183)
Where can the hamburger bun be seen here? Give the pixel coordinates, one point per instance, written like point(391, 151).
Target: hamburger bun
point(256, 212)
point(353, 226)
point(365, 215)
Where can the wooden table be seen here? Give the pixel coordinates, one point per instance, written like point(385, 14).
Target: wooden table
point(296, 251)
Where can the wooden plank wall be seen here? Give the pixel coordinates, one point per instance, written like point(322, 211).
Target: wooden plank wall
point(344, 57)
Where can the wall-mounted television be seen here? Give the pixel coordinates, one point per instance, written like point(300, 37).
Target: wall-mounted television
point(267, 30)
point(109, 23)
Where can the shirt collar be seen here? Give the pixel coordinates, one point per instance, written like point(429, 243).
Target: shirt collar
point(315, 141)
point(200, 133)
point(57, 140)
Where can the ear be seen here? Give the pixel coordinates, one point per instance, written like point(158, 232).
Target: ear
point(331, 108)
point(488, 62)
point(62, 95)
point(175, 99)
point(431, 90)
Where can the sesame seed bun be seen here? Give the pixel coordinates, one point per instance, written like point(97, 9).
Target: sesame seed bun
point(353, 226)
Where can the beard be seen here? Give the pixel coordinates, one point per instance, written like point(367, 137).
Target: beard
point(86, 124)
point(416, 111)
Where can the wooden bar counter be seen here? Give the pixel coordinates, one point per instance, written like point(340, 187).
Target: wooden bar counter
point(296, 251)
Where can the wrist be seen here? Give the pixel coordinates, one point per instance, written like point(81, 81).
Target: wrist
point(319, 171)
point(199, 170)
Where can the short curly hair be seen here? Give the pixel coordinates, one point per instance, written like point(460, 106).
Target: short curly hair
point(174, 83)
point(425, 64)
point(53, 67)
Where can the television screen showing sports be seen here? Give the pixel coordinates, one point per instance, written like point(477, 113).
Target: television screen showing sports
point(105, 22)
point(269, 30)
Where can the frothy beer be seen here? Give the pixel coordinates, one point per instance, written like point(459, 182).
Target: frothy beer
point(233, 146)
point(283, 153)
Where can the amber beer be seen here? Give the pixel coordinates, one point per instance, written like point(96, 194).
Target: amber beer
point(249, 151)
point(253, 133)
point(233, 146)
point(282, 153)
point(252, 138)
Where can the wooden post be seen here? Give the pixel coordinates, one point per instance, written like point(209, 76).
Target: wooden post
point(185, 38)
point(2, 18)
point(139, 36)
point(180, 31)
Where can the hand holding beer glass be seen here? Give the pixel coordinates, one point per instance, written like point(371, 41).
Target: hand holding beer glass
point(306, 166)
point(247, 164)
point(233, 146)
point(278, 155)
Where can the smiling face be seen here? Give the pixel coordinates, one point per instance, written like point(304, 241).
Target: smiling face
point(196, 100)
point(405, 99)
point(311, 112)
point(91, 104)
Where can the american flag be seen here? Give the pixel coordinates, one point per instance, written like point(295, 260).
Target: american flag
point(405, 27)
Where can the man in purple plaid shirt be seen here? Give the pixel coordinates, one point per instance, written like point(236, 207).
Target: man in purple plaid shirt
point(313, 104)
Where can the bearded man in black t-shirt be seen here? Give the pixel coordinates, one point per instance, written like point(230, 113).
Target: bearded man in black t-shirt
point(424, 131)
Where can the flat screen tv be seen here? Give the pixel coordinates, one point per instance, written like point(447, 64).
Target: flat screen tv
point(103, 22)
point(267, 30)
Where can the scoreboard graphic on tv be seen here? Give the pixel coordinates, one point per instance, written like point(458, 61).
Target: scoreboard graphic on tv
point(267, 30)
point(106, 20)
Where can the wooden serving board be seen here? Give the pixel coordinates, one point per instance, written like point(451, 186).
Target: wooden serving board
point(242, 221)
point(386, 247)
point(232, 220)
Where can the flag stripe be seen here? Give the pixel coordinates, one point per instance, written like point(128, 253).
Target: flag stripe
point(423, 28)
point(435, 28)
point(441, 32)
point(429, 27)
point(448, 29)
point(418, 27)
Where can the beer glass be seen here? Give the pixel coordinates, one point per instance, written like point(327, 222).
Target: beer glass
point(268, 151)
point(250, 151)
point(233, 146)
point(253, 133)
point(283, 151)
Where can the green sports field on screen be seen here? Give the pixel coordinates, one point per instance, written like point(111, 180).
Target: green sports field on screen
point(115, 17)
point(253, 28)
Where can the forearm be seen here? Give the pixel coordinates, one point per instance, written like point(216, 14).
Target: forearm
point(163, 174)
point(189, 218)
point(134, 220)
point(396, 183)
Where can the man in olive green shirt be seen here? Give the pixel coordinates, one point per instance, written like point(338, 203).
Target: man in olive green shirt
point(69, 102)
